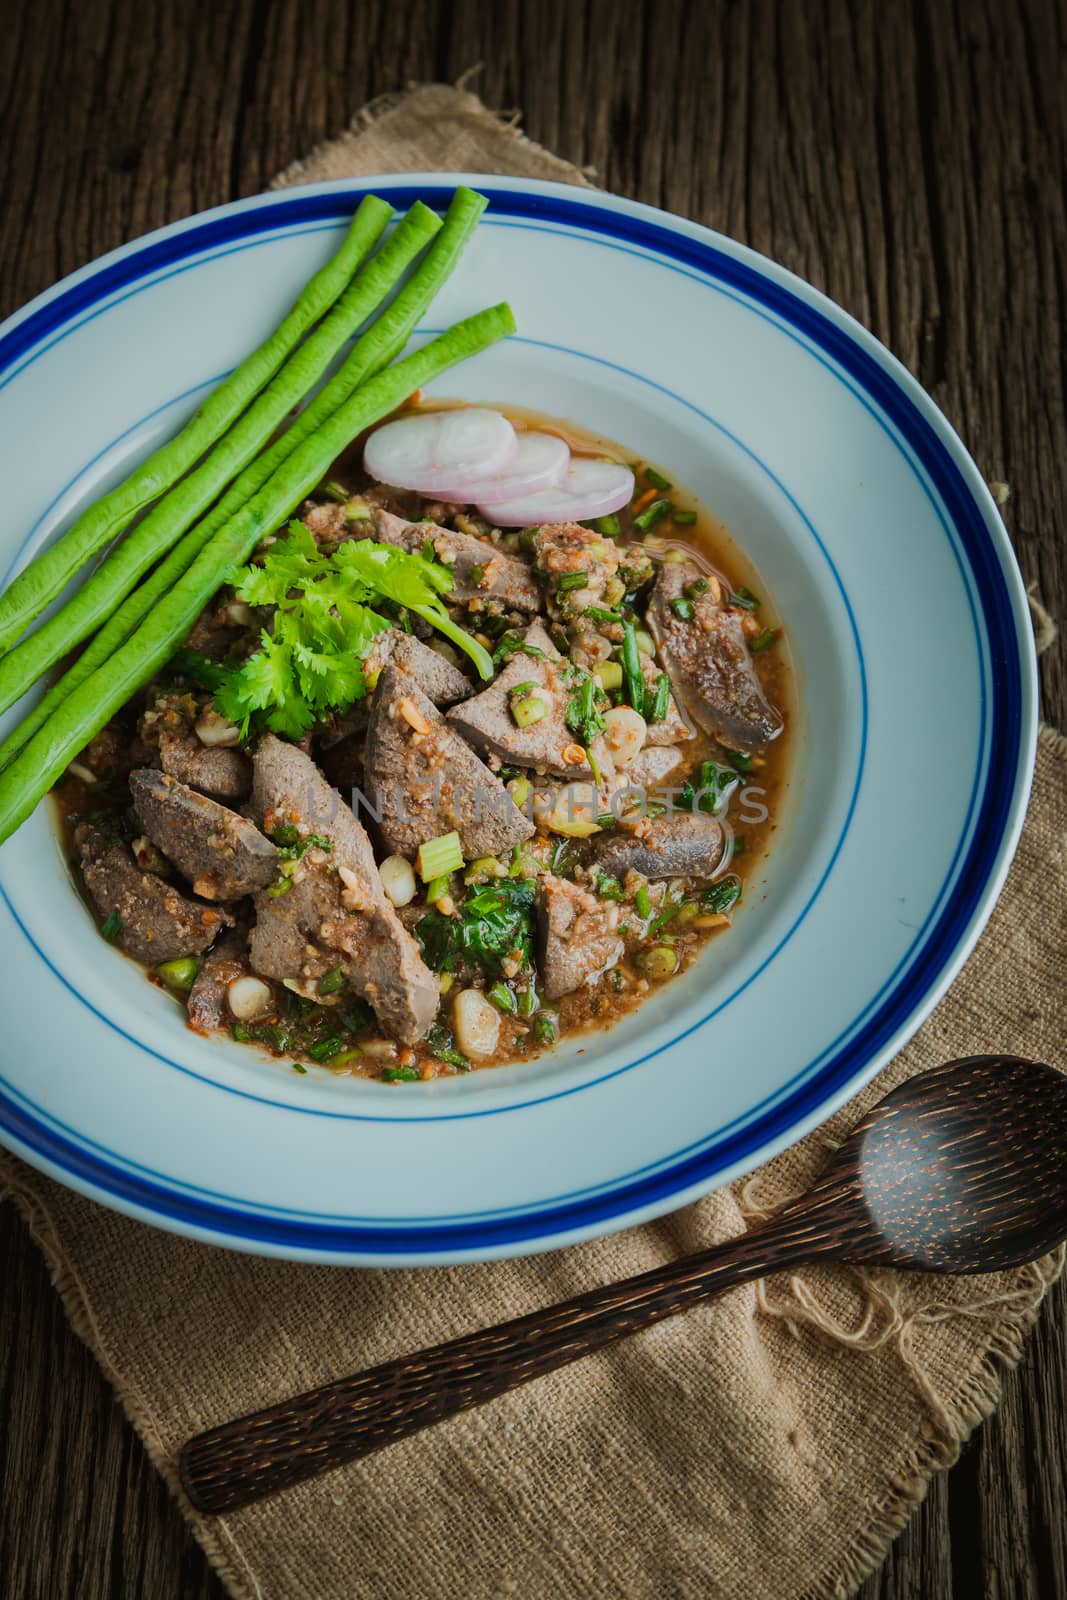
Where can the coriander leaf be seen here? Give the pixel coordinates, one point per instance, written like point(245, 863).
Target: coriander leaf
point(411, 581)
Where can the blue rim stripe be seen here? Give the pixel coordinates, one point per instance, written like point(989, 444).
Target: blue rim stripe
point(1007, 731)
point(292, 1109)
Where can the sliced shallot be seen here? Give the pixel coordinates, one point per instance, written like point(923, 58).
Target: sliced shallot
point(589, 488)
point(540, 462)
point(444, 453)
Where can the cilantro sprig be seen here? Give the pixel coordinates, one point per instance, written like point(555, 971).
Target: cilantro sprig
point(310, 657)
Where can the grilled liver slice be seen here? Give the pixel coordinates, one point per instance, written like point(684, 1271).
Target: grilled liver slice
point(222, 854)
point(157, 922)
point(708, 660)
point(422, 779)
point(336, 913)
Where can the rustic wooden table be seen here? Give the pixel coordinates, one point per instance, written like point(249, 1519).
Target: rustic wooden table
point(907, 158)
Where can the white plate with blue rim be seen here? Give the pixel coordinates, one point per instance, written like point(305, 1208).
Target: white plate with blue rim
point(869, 525)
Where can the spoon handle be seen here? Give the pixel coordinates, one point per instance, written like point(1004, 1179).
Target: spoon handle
point(240, 1461)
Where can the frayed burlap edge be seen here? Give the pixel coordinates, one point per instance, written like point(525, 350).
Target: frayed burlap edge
point(506, 122)
point(947, 1428)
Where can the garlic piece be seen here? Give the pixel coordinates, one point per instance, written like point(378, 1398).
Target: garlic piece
point(476, 1022)
point(625, 732)
point(398, 880)
point(249, 998)
point(213, 730)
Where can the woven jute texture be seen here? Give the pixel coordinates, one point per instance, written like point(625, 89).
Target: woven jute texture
point(765, 1447)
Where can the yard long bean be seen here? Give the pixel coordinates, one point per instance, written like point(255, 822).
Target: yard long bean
point(171, 516)
point(372, 351)
point(48, 574)
point(91, 706)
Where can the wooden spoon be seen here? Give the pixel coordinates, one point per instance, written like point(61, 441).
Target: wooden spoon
point(962, 1169)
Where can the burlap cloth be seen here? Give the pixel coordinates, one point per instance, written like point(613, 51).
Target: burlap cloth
point(767, 1447)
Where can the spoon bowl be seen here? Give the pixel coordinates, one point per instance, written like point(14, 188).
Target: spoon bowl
point(962, 1169)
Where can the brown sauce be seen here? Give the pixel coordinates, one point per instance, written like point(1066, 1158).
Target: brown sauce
point(754, 808)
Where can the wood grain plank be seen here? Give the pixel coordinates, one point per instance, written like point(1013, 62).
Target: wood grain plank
point(909, 159)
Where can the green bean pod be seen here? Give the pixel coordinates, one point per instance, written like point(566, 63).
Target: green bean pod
point(171, 516)
point(94, 702)
point(373, 350)
point(50, 572)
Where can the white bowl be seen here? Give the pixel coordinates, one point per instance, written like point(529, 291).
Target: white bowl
point(874, 533)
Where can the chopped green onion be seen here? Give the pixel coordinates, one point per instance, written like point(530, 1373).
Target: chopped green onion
point(520, 791)
point(335, 491)
point(643, 903)
point(633, 677)
point(608, 888)
point(745, 599)
point(763, 641)
point(332, 982)
point(603, 613)
point(682, 608)
point(545, 1027)
point(722, 895)
point(286, 833)
point(503, 998)
point(484, 868)
point(326, 1049)
point(695, 589)
point(610, 675)
point(297, 1067)
point(658, 963)
point(180, 973)
point(647, 519)
point(439, 856)
point(739, 760)
point(661, 699)
point(657, 480)
point(572, 580)
point(346, 1057)
point(477, 573)
point(242, 1034)
point(528, 1001)
point(526, 705)
point(608, 526)
point(279, 887)
point(437, 888)
point(684, 519)
point(510, 643)
point(400, 1075)
point(112, 927)
point(668, 914)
